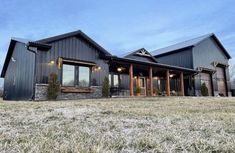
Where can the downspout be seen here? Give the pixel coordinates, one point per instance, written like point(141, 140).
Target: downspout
point(34, 79)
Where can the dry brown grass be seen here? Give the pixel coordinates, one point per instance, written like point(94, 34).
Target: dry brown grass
point(119, 125)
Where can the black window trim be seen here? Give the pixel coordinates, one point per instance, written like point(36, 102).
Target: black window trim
point(76, 74)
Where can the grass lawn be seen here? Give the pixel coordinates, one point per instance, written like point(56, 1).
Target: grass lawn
point(119, 125)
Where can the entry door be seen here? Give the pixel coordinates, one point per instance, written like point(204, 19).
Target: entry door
point(206, 78)
point(143, 85)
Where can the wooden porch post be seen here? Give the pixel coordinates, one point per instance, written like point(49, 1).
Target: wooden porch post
point(151, 80)
point(182, 83)
point(138, 81)
point(168, 83)
point(131, 79)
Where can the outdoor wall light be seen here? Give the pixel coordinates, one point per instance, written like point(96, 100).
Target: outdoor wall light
point(96, 68)
point(51, 62)
point(171, 75)
point(13, 59)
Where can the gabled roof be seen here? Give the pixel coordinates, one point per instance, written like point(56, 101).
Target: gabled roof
point(187, 44)
point(141, 53)
point(11, 48)
point(75, 33)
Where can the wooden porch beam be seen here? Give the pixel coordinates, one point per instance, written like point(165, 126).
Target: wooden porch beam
point(131, 80)
point(182, 83)
point(151, 80)
point(168, 83)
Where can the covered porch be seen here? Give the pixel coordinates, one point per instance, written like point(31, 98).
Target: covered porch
point(130, 77)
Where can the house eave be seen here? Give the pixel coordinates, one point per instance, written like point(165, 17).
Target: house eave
point(132, 61)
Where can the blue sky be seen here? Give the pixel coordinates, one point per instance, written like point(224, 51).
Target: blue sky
point(119, 26)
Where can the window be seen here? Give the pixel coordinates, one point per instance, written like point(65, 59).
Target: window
point(68, 75)
point(84, 76)
point(110, 79)
point(74, 75)
point(115, 80)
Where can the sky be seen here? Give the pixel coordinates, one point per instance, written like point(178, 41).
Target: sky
point(119, 26)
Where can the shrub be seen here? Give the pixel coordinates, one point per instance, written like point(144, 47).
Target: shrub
point(105, 87)
point(53, 87)
point(154, 90)
point(204, 89)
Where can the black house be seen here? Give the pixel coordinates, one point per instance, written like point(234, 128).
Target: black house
point(81, 65)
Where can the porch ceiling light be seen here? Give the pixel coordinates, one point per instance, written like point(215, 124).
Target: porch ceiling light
point(171, 75)
point(119, 69)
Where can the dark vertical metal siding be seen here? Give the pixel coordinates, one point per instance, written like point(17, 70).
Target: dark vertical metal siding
point(207, 52)
point(74, 48)
point(183, 59)
point(19, 78)
point(124, 81)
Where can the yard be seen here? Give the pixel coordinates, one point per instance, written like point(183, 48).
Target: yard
point(174, 124)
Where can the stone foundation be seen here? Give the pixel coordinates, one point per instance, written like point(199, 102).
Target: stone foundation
point(41, 93)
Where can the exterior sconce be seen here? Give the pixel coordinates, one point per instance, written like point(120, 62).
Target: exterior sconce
point(51, 62)
point(96, 68)
point(171, 75)
point(13, 59)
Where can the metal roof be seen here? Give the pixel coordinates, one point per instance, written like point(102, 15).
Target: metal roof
point(71, 34)
point(180, 45)
point(186, 44)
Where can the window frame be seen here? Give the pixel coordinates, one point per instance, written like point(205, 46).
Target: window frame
point(76, 75)
point(111, 82)
point(74, 83)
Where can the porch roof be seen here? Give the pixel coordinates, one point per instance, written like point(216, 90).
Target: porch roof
point(154, 64)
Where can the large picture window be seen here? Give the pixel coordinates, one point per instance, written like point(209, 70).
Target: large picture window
point(68, 75)
point(84, 76)
point(74, 75)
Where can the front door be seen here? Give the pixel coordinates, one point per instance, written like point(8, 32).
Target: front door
point(143, 86)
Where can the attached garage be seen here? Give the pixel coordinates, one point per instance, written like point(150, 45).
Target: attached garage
point(220, 78)
point(206, 78)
